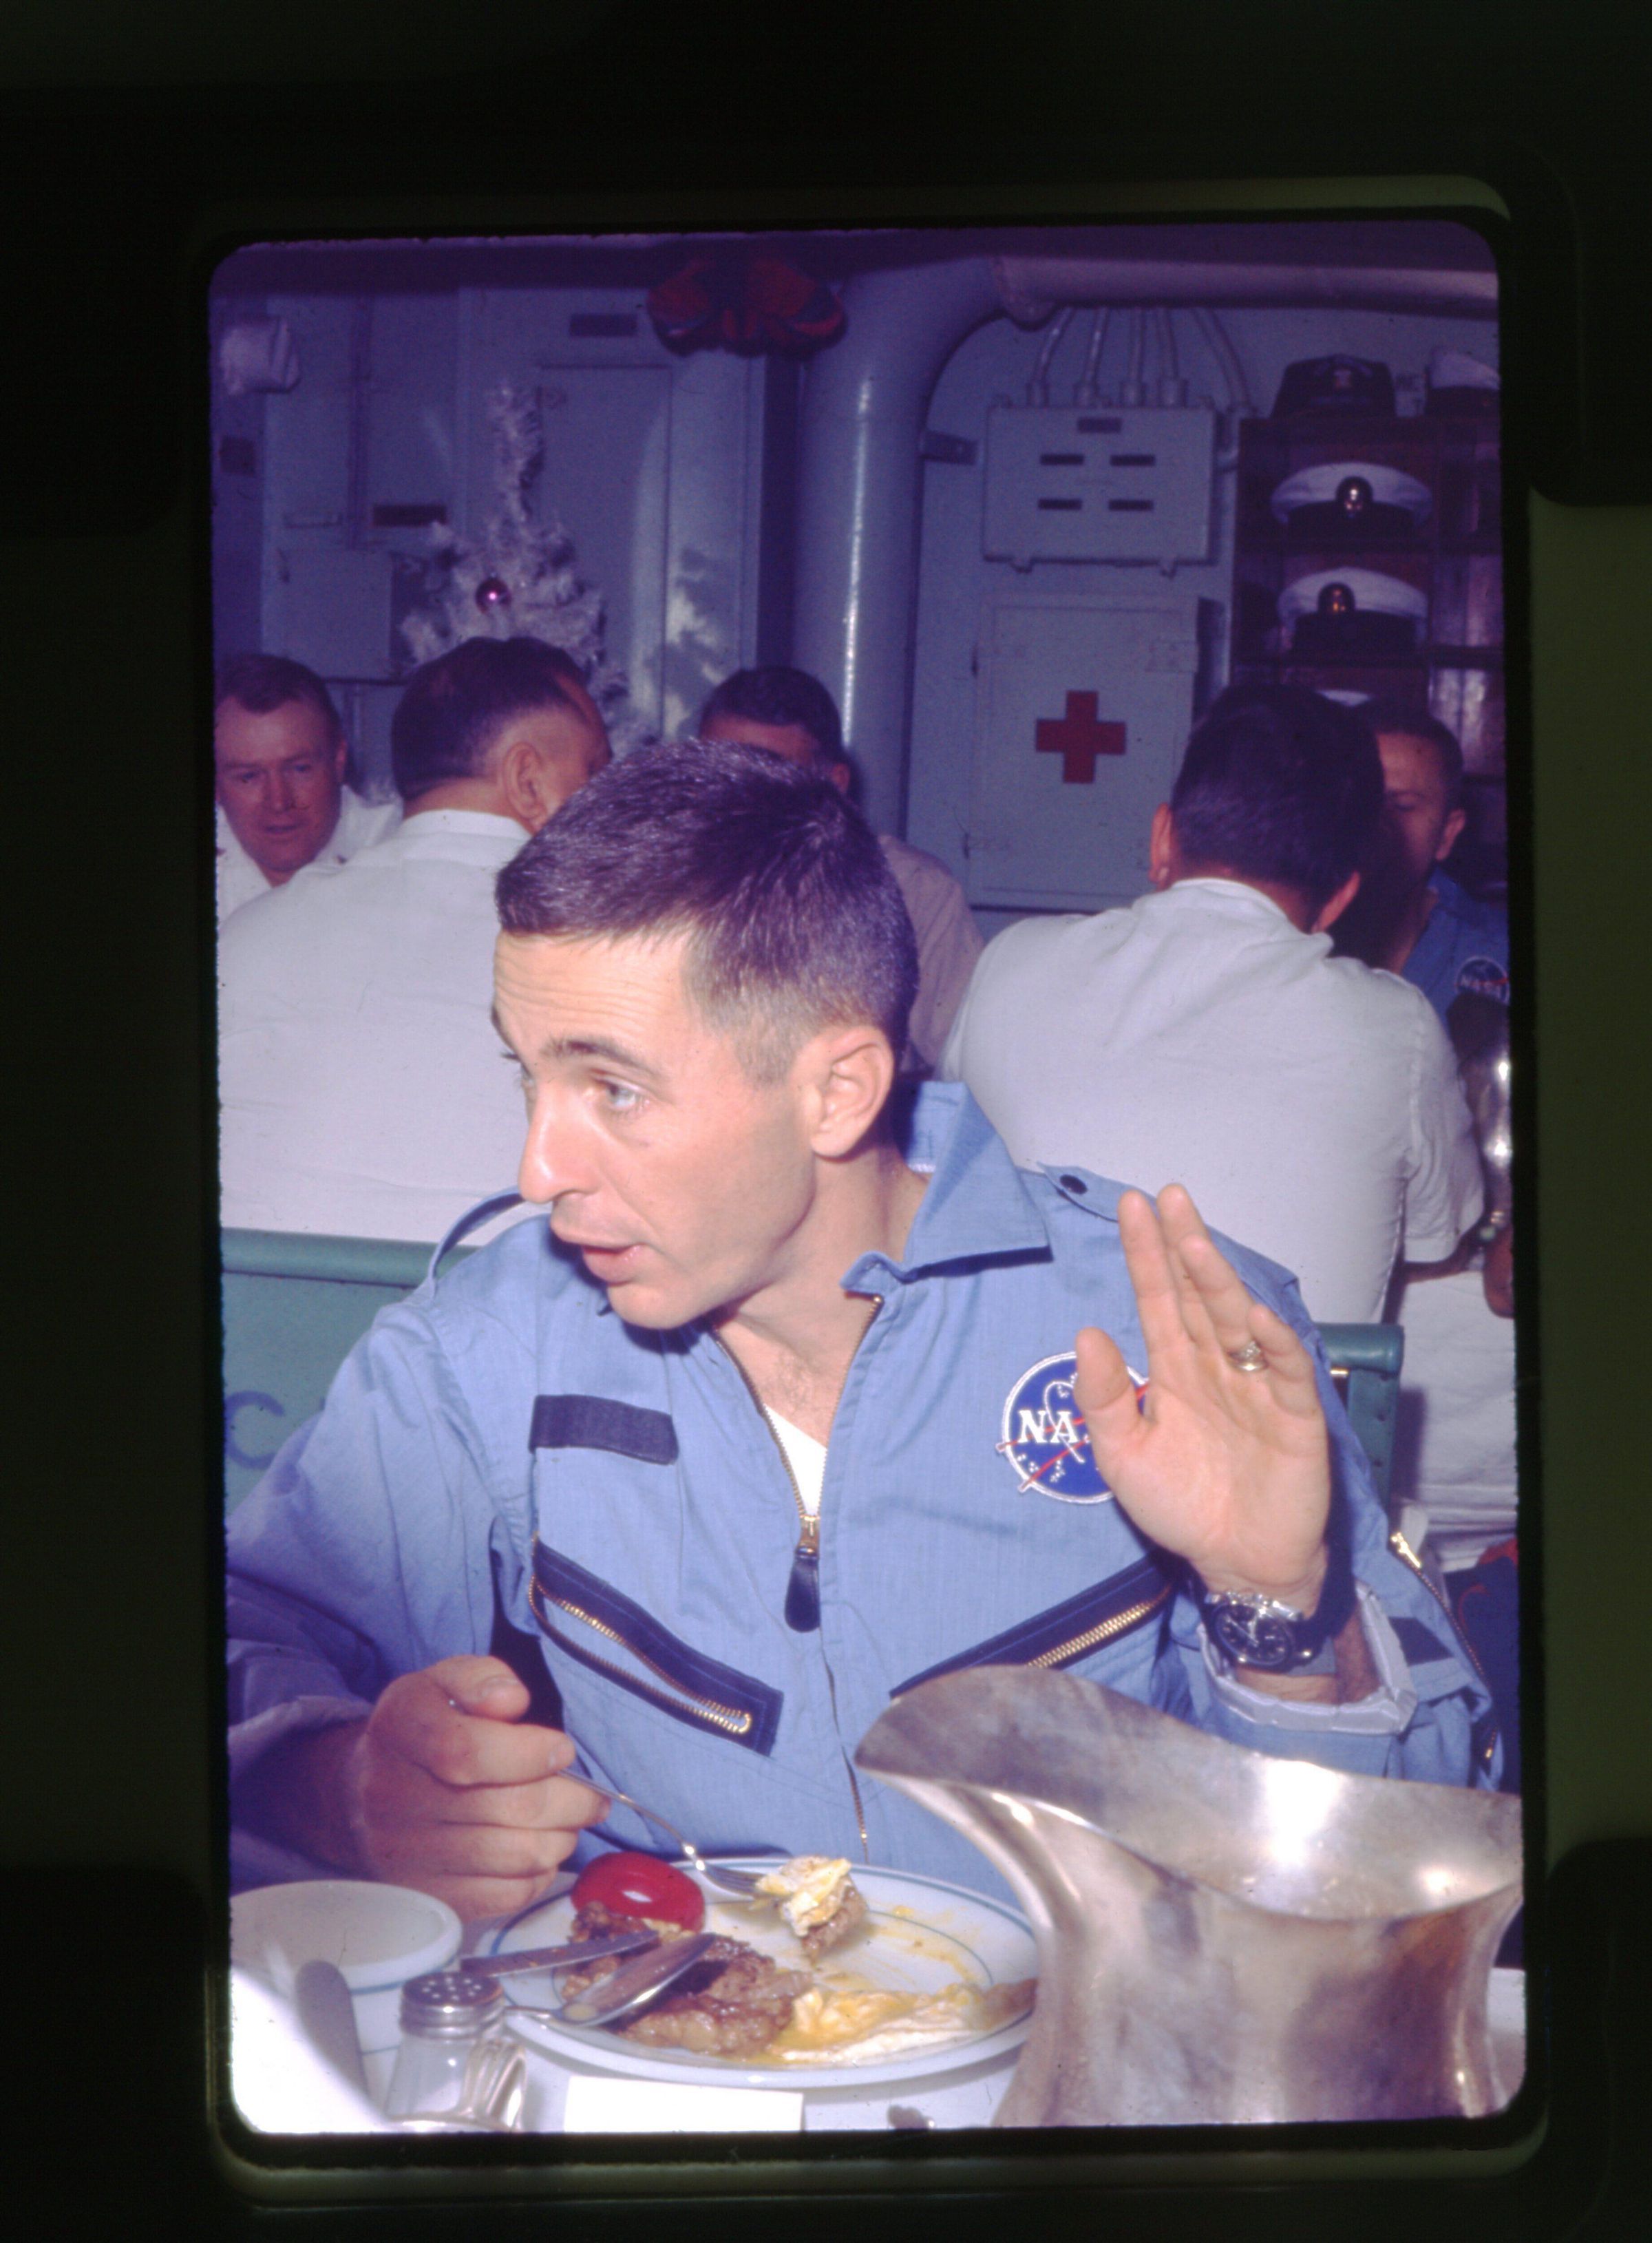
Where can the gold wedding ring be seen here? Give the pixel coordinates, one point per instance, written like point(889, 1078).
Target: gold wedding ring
point(1251, 1357)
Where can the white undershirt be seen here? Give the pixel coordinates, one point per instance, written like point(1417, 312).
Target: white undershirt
point(806, 1456)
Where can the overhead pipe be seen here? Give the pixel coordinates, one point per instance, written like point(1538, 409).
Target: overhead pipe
point(1032, 286)
point(859, 470)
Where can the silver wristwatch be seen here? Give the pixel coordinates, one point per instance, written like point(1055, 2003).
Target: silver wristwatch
point(1256, 1631)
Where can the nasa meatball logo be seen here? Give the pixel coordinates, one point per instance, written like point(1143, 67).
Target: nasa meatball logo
point(1045, 1438)
point(1483, 977)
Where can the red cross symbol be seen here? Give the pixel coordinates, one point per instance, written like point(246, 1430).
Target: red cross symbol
point(1077, 738)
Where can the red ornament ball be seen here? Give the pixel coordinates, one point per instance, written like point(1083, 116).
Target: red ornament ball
point(638, 1884)
point(493, 592)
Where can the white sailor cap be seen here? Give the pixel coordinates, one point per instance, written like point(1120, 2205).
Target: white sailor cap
point(1351, 591)
point(1338, 482)
point(1455, 369)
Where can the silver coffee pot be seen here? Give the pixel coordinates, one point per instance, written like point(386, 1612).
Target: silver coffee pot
point(1223, 1936)
point(1478, 1029)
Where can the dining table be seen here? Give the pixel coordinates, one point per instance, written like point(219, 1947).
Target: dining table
point(283, 2083)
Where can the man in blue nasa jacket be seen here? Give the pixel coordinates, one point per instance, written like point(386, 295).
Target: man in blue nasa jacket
point(1048, 1421)
point(1413, 918)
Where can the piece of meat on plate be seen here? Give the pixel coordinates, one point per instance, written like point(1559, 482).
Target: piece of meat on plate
point(732, 2003)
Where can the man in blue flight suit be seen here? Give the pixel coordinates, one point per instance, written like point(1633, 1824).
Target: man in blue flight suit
point(783, 1411)
point(1414, 919)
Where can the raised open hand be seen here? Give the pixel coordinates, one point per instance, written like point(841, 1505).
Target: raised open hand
point(1228, 1468)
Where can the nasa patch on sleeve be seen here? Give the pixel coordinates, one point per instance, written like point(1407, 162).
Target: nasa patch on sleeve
point(1045, 1438)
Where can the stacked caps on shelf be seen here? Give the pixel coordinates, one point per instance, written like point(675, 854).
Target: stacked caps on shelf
point(1349, 611)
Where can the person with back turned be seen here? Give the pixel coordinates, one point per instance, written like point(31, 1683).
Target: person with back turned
point(1205, 1034)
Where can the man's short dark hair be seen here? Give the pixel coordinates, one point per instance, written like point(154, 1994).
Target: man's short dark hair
point(1391, 717)
point(792, 916)
point(263, 683)
point(778, 694)
point(1280, 784)
point(452, 709)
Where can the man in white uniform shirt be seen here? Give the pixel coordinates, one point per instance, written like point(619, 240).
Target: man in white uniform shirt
point(362, 1090)
point(1204, 1035)
point(279, 752)
point(791, 714)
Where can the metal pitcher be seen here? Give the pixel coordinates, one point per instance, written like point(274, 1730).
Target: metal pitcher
point(1479, 1029)
point(1223, 1936)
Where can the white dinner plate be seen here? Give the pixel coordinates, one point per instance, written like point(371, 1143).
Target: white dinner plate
point(921, 1936)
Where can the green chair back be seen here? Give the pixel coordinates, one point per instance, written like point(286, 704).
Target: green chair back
point(1365, 1366)
point(295, 1304)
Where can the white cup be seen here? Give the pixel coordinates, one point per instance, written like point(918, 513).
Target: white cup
point(378, 1935)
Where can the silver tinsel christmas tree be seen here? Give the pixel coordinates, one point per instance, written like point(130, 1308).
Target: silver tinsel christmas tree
point(520, 579)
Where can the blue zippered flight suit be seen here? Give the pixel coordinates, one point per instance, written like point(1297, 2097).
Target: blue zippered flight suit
point(644, 1527)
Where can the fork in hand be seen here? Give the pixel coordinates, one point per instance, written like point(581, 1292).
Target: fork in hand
point(743, 1881)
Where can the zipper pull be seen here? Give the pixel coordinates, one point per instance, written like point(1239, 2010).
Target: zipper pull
point(803, 1590)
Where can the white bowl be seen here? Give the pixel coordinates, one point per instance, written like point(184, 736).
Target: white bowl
point(378, 1935)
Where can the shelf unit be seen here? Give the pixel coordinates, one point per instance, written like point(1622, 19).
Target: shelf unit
point(1454, 557)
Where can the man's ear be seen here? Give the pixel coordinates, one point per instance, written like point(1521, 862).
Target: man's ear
point(527, 782)
point(1453, 827)
point(1161, 846)
point(1333, 909)
point(840, 775)
point(341, 758)
point(845, 1075)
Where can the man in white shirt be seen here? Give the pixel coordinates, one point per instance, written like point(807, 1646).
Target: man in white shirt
point(791, 714)
point(279, 752)
point(362, 1089)
point(1205, 1034)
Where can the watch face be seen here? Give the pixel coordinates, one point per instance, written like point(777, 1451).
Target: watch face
point(1255, 1636)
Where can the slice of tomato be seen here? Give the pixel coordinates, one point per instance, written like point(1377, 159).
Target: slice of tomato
point(638, 1885)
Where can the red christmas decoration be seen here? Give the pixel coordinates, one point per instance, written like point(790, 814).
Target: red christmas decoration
point(746, 300)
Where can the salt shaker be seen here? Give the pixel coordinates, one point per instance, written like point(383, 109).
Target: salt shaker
point(443, 2016)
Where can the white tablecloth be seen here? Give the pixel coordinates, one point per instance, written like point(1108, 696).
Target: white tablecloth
point(957, 2098)
point(282, 2085)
